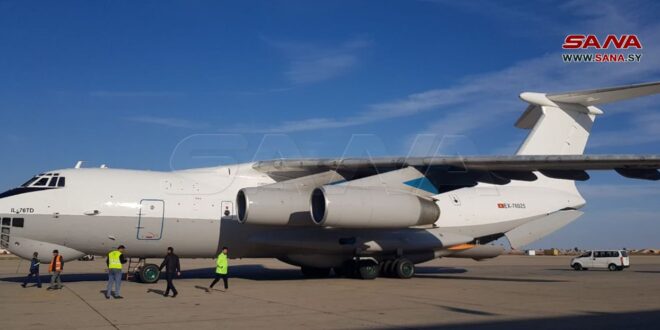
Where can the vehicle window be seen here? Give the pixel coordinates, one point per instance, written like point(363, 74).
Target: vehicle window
point(598, 254)
point(586, 254)
point(41, 182)
point(29, 182)
point(18, 222)
point(6, 221)
point(624, 254)
point(52, 182)
point(61, 182)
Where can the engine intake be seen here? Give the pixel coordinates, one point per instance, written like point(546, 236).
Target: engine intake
point(367, 207)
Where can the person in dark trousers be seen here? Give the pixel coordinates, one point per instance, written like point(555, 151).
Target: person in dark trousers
point(221, 270)
point(115, 262)
point(55, 268)
point(34, 270)
point(172, 268)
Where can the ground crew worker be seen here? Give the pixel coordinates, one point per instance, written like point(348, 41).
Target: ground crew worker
point(221, 270)
point(55, 268)
point(34, 270)
point(114, 262)
point(172, 268)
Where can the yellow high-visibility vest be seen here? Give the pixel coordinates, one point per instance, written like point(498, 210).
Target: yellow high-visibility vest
point(113, 260)
point(221, 266)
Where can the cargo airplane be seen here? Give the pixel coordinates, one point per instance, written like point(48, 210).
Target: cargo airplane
point(357, 217)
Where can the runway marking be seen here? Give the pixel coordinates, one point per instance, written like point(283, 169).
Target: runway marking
point(92, 307)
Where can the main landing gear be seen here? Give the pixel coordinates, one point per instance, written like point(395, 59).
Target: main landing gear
point(399, 268)
point(366, 269)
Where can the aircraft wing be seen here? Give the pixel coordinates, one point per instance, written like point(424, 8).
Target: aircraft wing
point(499, 169)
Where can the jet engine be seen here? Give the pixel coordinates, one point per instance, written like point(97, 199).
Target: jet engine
point(272, 206)
point(370, 207)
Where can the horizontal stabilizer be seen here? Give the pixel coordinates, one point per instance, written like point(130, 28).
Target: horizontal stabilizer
point(606, 95)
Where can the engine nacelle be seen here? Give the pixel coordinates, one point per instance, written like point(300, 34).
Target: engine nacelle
point(368, 207)
point(273, 206)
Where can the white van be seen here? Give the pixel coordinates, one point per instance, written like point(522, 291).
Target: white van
point(610, 259)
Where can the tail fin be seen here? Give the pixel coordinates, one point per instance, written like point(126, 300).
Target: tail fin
point(560, 123)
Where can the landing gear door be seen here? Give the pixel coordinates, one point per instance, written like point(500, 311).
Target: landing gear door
point(150, 219)
point(227, 210)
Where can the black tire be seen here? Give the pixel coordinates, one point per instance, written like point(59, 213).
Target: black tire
point(149, 274)
point(368, 270)
point(405, 269)
point(391, 268)
point(313, 272)
point(612, 267)
point(577, 266)
point(385, 268)
point(619, 268)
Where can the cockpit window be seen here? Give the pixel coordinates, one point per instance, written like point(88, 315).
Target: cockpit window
point(29, 182)
point(45, 180)
point(41, 182)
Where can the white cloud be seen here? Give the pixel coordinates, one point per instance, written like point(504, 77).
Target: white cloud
point(310, 63)
point(478, 101)
point(168, 122)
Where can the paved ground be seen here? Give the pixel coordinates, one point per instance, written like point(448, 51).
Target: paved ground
point(504, 293)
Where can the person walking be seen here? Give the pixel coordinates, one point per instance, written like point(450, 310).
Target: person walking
point(221, 270)
point(56, 267)
point(114, 261)
point(34, 270)
point(172, 269)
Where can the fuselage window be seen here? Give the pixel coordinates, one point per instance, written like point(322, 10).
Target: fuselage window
point(41, 182)
point(60, 183)
point(6, 221)
point(18, 222)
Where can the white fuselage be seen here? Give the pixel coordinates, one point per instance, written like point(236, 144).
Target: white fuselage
point(194, 211)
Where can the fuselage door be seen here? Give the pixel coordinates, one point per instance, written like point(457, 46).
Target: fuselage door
point(150, 219)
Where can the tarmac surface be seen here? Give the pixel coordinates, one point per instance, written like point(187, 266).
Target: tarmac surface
point(509, 292)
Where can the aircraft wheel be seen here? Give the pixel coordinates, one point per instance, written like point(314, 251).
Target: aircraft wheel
point(391, 269)
point(368, 270)
point(385, 268)
point(150, 273)
point(404, 268)
point(313, 272)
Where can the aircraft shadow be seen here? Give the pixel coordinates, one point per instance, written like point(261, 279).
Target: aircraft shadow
point(589, 320)
point(438, 270)
point(251, 272)
point(483, 278)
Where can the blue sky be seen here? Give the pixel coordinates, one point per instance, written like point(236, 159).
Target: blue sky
point(166, 85)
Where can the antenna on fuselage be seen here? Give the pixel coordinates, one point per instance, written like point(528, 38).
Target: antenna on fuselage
point(79, 164)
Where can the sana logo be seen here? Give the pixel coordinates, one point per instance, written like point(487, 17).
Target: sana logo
point(581, 41)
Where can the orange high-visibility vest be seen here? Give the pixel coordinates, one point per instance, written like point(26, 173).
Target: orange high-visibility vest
point(56, 264)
